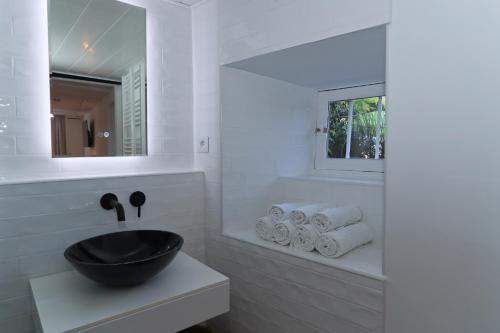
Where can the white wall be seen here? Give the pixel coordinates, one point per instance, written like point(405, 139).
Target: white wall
point(442, 181)
point(267, 132)
point(206, 107)
point(250, 28)
point(230, 30)
point(25, 143)
point(38, 221)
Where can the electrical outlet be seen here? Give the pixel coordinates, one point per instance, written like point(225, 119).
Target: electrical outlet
point(204, 145)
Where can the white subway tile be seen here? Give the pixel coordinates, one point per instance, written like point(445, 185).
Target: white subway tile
point(17, 167)
point(7, 145)
point(13, 288)
point(6, 68)
point(252, 323)
point(27, 145)
point(28, 107)
point(44, 264)
point(285, 321)
point(8, 228)
point(178, 145)
point(6, 27)
point(9, 268)
point(7, 107)
point(25, 67)
point(18, 324)
point(322, 320)
point(13, 307)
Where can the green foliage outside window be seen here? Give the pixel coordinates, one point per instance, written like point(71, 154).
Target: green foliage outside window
point(364, 128)
point(337, 129)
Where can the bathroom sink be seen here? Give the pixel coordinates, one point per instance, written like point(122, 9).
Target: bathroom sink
point(124, 258)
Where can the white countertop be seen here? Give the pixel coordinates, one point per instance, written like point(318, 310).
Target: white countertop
point(68, 302)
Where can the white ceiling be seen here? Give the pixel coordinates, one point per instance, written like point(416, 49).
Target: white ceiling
point(342, 61)
point(95, 37)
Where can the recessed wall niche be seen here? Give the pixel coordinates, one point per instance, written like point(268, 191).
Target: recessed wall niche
point(269, 107)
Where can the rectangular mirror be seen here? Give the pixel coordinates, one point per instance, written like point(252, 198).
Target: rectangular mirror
point(97, 78)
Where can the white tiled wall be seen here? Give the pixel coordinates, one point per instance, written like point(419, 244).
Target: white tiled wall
point(24, 94)
point(268, 131)
point(273, 292)
point(223, 31)
point(206, 106)
point(38, 221)
point(228, 30)
point(250, 28)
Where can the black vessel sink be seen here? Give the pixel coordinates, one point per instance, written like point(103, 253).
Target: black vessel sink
point(124, 258)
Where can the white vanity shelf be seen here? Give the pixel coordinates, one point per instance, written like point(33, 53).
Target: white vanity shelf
point(365, 261)
point(185, 293)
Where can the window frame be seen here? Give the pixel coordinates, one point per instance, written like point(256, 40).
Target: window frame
point(321, 160)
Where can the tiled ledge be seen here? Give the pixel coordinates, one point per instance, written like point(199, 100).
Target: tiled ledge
point(365, 261)
point(71, 176)
point(337, 179)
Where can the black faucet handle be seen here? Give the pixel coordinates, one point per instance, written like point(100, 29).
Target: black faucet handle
point(108, 201)
point(137, 199)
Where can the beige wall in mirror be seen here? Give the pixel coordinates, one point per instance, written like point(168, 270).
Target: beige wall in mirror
point(97, 78)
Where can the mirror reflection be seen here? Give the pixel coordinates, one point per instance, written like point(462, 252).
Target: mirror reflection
point(97, 78)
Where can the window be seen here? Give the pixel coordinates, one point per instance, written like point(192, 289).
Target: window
point(351, 129)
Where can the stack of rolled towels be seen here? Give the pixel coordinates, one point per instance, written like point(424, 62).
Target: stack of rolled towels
point(332, 232)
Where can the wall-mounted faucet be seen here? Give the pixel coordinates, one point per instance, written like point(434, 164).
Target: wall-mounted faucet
point(137, 199)
point(110, 201)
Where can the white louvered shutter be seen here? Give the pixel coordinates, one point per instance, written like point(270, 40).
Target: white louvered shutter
point(134, 110)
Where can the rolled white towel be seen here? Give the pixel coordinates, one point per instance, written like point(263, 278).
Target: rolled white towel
point(265, 228)
point(305, 237)
point(302, 215)
point(281, 212)
point(283, 232)
point(339, 242)
point(333, 218)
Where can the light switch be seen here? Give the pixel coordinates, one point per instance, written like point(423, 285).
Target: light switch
point(204, 145)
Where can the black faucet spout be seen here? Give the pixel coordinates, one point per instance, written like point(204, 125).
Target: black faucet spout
point(110, 201)
point(120, 212)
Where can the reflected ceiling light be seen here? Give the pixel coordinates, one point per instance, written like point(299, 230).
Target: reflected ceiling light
point(4, 103)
